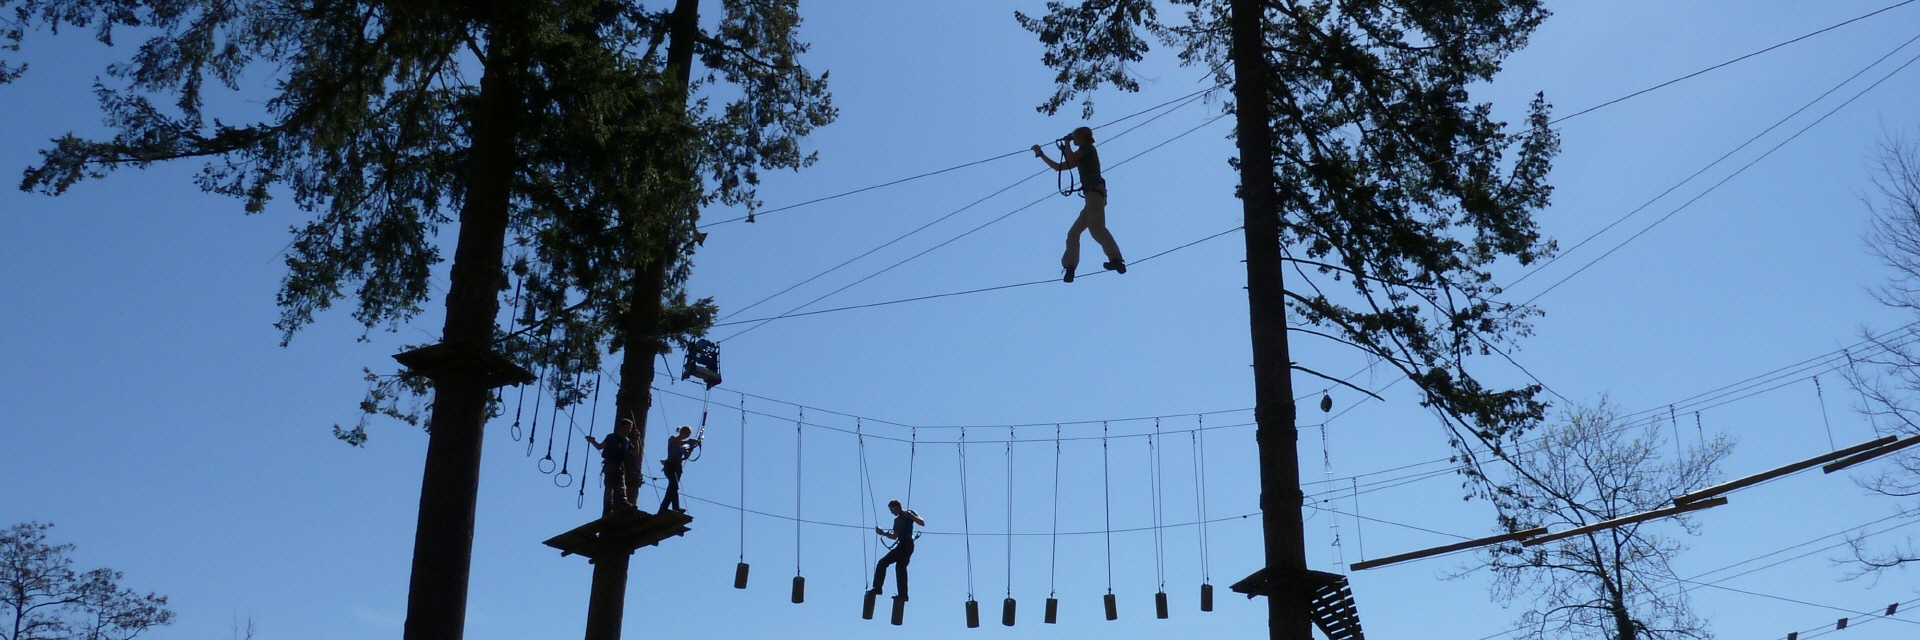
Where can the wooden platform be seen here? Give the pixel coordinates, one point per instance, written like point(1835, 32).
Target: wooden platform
point(436, 360)
point(1330, 601)
point(620, 532)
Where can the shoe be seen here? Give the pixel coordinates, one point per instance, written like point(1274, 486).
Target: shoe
point(900, 598)
point(1069, 278)
point(1117, 265)
point(874, 591)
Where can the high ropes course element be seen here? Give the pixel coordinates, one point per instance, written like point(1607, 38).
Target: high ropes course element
point(708, 370)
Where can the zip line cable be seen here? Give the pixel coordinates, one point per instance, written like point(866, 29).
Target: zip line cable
point(1769, 152)
point(794, 312)
point(955, 167)
point(924, 227)
point(797, 314)
point(1689, 76)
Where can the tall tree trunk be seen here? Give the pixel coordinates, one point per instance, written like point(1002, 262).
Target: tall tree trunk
point(606, 605)
point(1276, 432)
point(443, 540)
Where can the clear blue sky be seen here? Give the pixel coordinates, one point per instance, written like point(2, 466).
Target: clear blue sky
point(151, 415)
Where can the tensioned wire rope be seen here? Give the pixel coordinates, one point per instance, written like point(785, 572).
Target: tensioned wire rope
point(1183, 101)
point(1698, 585)
point(1561, 119)
point(1204, 91)
point(796, 311)
point(961, 165)
point(1729, 177)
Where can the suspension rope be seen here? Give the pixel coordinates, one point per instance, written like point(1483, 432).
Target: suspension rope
point(1823, 412)
point(966, 524)
point(860, 489)
point(1159, 540)
point(743, 479)
point(799, 436)
point(553, 424)
point(593, 419)
point(540, 384)
point(913, 453)
point(565, 477)
point(1198, 437)
point(1053, 556)
point(1106, 487)
point(1010, 439)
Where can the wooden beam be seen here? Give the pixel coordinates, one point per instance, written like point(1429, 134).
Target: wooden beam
point(1871, 454)
point(1764, 476)
point(1626, 520)
point(1425, 553)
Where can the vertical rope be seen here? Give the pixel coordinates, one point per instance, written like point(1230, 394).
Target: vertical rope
point(1200, 495)
point(966, 522)
point(1053, 556)
point(860, 491)
point(1011, 435)
point(566, 460)
point(593, 419)
point(1106, 487)
point(1333, 523)
point(539, 393)
point(913, 453)
point(1673, 418)
point(1359, 527)
point(1702, 430)
point(799, 440)
point(1823, 413)
point(1159, 505)
point(743, 478)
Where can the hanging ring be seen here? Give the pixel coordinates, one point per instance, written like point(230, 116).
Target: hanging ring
point(546, 464)
point(563, 479)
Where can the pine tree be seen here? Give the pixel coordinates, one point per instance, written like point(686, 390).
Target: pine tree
point(1363, 160)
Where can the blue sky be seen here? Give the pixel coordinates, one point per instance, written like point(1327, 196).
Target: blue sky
point(152, 416)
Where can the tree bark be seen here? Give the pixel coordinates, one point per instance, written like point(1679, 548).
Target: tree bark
point(606, 605)
point(1276, 433)
point(449, 487)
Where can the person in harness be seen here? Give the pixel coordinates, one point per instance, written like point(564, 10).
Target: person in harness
point(679, 446)
point(614, 462)
point(1093, 217)
point(902, 552)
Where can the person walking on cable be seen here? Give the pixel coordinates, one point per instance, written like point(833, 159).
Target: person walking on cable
point(614, 453)
point(679, 446)
point(902, 552)
point(1093, 217)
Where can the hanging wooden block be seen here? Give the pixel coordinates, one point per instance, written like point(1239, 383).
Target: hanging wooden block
point(1006, 612)
point(1842, 625)
point(740, 576)
point(1892, 608)
point(899, 610)
point(973, 613)
point(1113, 608)
point(1053, 611)
point(799, 589)
point(1206, 597)
point(866, 608)
point(1160, 605)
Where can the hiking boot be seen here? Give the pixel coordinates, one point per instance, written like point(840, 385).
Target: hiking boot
point(1117, 265)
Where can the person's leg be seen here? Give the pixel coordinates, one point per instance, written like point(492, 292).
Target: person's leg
point(1071, 259)
point(880, 568)
point(632, 498)
point(615, 481)
point(1095, 217)
point(672, 497)
point(900, 568)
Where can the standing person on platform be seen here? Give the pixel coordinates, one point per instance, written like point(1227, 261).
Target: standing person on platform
point(614, 454)
point(679, 446)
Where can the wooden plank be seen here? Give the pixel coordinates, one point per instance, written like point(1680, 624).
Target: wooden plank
point(1871, 454)
point(1626, 520)
point(1764, 476)
point(1457, 546)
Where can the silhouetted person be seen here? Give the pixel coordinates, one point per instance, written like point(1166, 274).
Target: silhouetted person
point(614, 461)
point(1093, 217)
point(902, 552)
point(679, 446)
